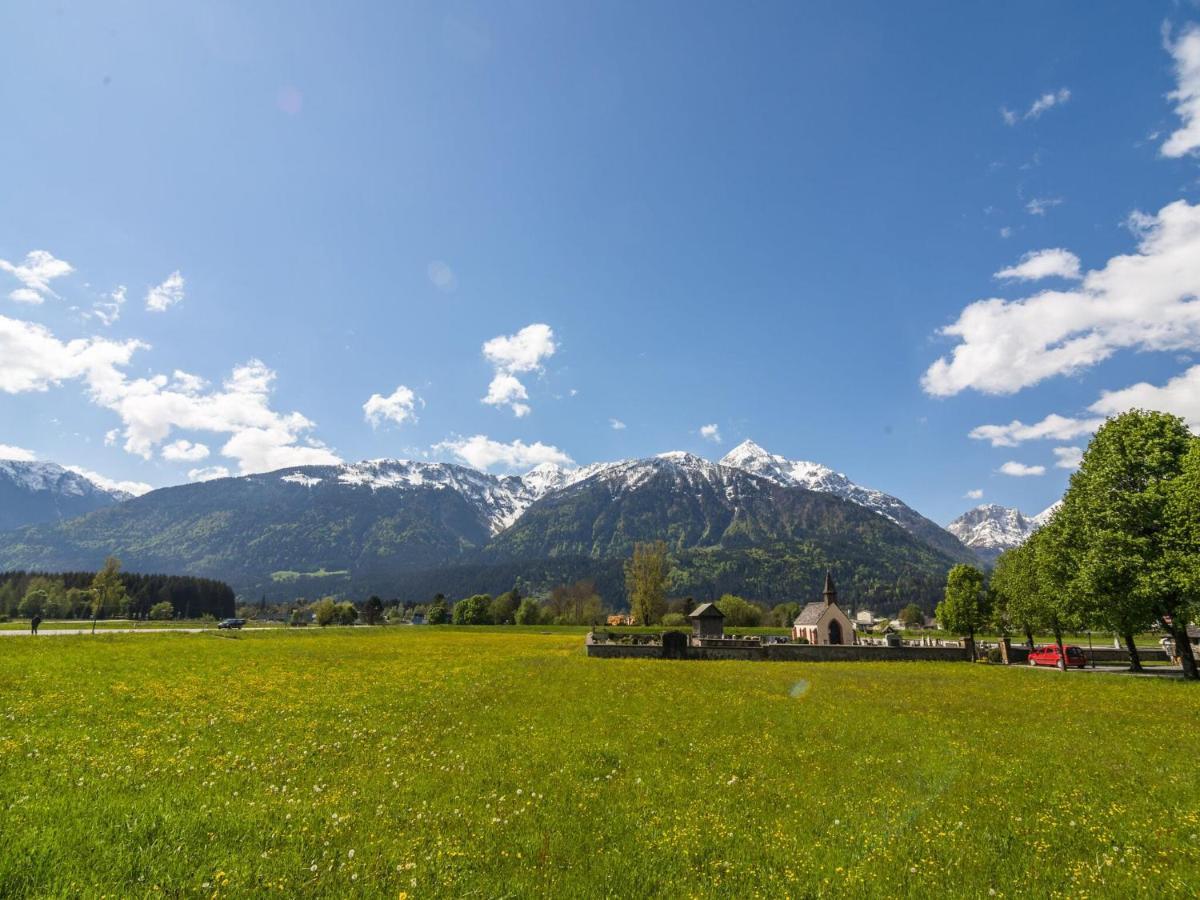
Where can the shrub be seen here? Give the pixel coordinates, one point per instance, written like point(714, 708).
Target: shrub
point(162, 611)
point(674, 619)
point(528, 613)
point(437, 613)
point(739, 613)
point(324, 611)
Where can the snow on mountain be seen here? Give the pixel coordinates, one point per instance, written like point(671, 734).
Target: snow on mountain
point(35, 492)
point(991, 529)
point(750, 457)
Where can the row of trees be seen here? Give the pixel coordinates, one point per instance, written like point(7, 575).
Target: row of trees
point(1121, 553)
point(68, 595)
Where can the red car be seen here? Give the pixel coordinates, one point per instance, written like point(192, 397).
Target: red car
point(1047, 655)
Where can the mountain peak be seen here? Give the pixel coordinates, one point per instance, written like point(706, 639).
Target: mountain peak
point(746, 450)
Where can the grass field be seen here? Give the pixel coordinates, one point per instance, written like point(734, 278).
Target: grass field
point(478, 762)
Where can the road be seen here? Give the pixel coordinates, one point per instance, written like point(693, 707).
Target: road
point(55, 632)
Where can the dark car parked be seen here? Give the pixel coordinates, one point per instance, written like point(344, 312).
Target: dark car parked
point(231, 623)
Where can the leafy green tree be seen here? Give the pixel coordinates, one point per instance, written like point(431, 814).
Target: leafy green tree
point(912, 616)
point(646, 582)
point(32, 604)
point(437, 614)
point(299, 616)
point(739, 613)
point(784, 614)
point(161, 611)
point(345, 613)
point(108, 590)
point(963, 609)
point(324, 611)
point(1017, 605)
point(373, 610)
point(674, 620)
point(1180, 565)
point(1056, 607)
point(475, 610)
point(504, 608)
point(78, 602)
point(528, 613)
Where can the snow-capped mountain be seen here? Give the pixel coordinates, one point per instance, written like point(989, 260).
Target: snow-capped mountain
point(750, 457)
point(36, 492)
point(991, 529)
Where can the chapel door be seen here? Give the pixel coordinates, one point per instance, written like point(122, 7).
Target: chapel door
point(835, 632)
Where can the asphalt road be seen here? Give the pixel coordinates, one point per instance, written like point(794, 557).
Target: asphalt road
point(53, 632)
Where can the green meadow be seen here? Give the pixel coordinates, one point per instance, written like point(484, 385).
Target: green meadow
point(480, 762)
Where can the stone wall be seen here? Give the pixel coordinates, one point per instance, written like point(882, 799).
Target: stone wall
point(783, 652)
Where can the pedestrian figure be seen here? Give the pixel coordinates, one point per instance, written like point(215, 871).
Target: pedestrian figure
point(34, 623)
point(1168, 646)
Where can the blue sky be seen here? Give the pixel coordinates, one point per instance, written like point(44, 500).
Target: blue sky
point(670, 215)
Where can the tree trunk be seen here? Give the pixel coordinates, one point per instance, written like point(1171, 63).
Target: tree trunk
point(1183, 647)
point(1135, 660)
point(1029, 638)
point(1062, 651)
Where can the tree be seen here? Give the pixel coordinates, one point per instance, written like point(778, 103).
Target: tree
point(161, 611)
point(963, 609)
point(1122, 541)
point(32, 604)
point(674, 620)
point(324, 611)
point(504, 607)
point(345, 613)
point(474, 610)
point(108, 590)
point(739, 613)
point(528, 613)
point(646, 582)
point(912, 616)
point(437, 614)
point(1016, 604)
point(373, 610)
point(1180, 566)
point(784, 614)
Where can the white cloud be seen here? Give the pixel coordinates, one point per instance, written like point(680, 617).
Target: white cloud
point(1042, 104)
point(1068, 457)
point(137, 488)
point(507, 390)
point(108, 308)
point(441, 276)
point(110, 436)
point(523, 351)
point(25, 295)
point(974, 494)
point(511, 355)
point(184, 451)
point(711, 433)
point(1038, 205)
point(1052, 263)
point(36, 272)
point(616, 424)
point(398, 407)
point(482, 452)
point(1006, 232)
point(33, 359)
point(207, 473)
point(162, 297)
point(1020, 470)
point(1144, 301)
point(1179, 396)
point(150, 408)
point(1048, 101)
point(1186, 51)
point(20, 454)
point(1054, 427)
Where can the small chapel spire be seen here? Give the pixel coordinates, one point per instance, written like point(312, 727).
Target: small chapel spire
point(830, 592)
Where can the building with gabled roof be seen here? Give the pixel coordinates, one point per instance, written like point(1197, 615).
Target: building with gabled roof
point(823, 621)
point(707, 621)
